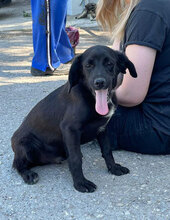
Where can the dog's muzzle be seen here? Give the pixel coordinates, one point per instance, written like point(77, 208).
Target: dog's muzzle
point(99, 83)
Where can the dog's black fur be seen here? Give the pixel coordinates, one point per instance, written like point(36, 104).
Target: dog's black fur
point(66, 118)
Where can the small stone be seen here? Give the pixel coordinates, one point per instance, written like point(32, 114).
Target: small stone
point(120, 204)
point(99, 216)
point(18, 183)
point(127, 213)
point(139, 158)
point(66, 213)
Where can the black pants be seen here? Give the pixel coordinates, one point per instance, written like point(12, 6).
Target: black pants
point(130, 130)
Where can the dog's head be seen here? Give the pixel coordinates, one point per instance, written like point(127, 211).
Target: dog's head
point(100, 69)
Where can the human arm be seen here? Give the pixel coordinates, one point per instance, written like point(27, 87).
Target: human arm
point(141, 42)
point(133, 90)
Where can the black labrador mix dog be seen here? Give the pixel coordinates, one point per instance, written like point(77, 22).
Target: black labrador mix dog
point(73, 114)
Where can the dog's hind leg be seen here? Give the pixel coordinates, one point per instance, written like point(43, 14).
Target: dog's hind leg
point(27, 155)
point(22, 164)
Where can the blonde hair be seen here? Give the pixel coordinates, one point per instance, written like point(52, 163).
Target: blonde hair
point(113, 16)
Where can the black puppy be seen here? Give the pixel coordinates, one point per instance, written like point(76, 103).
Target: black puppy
point(73, 114)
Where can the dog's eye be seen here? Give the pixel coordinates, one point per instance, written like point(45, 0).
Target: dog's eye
point(89, 65)
point(109, 63)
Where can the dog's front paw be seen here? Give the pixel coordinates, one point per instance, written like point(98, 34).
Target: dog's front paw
point(85, 186)
point(118, 170)
point(30, 177)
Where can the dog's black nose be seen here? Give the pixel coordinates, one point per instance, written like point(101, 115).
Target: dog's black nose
point(99, 83)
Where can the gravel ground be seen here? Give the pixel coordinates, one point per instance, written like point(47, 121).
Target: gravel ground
point(144, 194)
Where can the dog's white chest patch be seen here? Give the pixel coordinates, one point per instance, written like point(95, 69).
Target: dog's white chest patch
point(101, 129)
point(109, 115)
point(111, 112)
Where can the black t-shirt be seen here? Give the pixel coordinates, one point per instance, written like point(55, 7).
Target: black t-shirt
point(149, 25)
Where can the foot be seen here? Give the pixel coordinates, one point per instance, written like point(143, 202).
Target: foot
point(30, 177)
point(118, 170)
point(37, 72)
point(85, 186)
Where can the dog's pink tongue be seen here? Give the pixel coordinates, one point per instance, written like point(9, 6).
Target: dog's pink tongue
point(101, 102)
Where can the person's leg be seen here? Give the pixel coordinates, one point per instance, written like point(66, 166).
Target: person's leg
point(50, 52)
point(61, 49)
point(130, 130)
point(39, 14)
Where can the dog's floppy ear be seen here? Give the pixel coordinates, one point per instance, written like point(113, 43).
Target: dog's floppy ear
point(124, 63)
point(75, 72)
